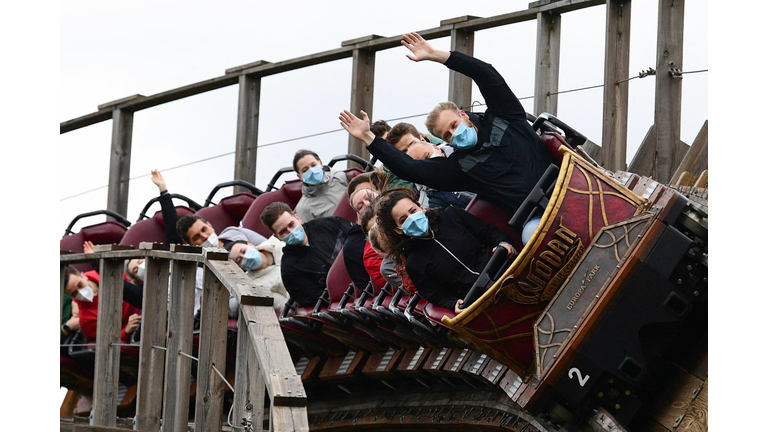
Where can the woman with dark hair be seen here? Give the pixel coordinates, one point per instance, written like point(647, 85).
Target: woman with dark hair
point(444, 250)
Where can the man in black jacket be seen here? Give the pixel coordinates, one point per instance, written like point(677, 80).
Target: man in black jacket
point(498, 154)
point(310, 249)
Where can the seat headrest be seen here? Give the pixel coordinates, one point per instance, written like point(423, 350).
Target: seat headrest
point(228, 212)
point(338, 279)
point(553, 142)
point(109, 232)
point(152, 229)
point(344, 210)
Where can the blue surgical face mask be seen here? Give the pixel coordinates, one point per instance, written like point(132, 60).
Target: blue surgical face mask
point(295, 237)
point(464, 137)
point(416, 225)
point(313, 176)
point(251, 260)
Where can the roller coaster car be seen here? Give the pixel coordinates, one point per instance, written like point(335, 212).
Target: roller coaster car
point(590, 305)
point(101, 233)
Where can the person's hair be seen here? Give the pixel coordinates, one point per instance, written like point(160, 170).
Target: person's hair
point(185, 223)
point(387, 224)
point(399, 130)
point(273, 212)
point(376, 243)
point(357, 181)
point(133, 279)
point(300, 154)
point(379, 128)
point(69, 271)
point(368, 214)
point(435, 114)
point(230, 245)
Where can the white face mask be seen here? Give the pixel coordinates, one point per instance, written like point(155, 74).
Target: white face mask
point(436, 153)
point(211, 241)
point(141, 271)
point(85, 294)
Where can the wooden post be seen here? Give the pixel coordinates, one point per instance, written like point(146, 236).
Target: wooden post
point(363, 67)
point(695, 160)
point(460, 85)
point(547, 63)
point(669, 90)
point(177, 366)
point(211, 352)
point(120, 161)
point(149, 398)
point(616, 96)
point(108, 328)
point(247, 130)
point(249, 382)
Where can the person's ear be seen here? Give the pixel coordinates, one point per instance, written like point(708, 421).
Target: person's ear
point(398, 230)
point(296, 215)
point(423, 138)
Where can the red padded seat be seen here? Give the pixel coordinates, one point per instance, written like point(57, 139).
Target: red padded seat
point(492, 214)
point(152, 229)
point(228, 212)
point(338, 279)
point(109, 232)
point(344, 210)
point(553, 142)
point(289, 193)
point(435, 314)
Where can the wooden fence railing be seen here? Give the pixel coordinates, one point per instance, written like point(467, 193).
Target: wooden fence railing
point(165, 349)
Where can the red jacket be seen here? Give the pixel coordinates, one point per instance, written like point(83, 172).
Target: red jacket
point(90, 310)
point(372, 261)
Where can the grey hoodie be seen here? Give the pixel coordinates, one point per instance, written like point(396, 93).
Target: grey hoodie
point(321, 200)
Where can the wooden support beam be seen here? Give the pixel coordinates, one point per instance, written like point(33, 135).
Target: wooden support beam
point(108, 328)
point(249, 381)
point(177, 366)
point(238, 69)
point(547, 63)
point(247, 130)
point(702, 181)
point(363, 68)
point(616, 96)
point(460, 85)
point(114, 104)
point(669, 90)
point(642, 161)
point(149, 398)
point(696, 158)
point(685, 179)
point(359, 40)
point(212, 351)
point(120, 161)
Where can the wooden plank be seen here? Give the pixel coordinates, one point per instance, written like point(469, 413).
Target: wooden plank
point(696, 418)
point(108, 328)
point(212, 351)
point(113, 104)
point(702, 181)
point(669, 90)
point(247, 138)
point(149, 398)
point(593, 150)
point(616, 96)
point(547, 63)
point(456, 20)
point(363, 68)
point(696, 158)
point(87, 428)
point(120, 161)
point(360, 40)
point(460, 85)
point(559, 7)
point(684, 179)
point(643, 160)
point(178, 367)
point(671, 405)
point(539, 3)
point(241, 68)
point(69, 404)
point(84, 121)
point(249, 382)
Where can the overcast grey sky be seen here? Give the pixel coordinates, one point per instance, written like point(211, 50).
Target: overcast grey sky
point(110, 50)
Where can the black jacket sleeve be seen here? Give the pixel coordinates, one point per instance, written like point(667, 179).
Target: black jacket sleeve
point(427, 288)
point(485, 232)
point(437, 173)
point(354, 248)
point(302, 287)
point(133, 294)
point(498, 96)
point(170, 217)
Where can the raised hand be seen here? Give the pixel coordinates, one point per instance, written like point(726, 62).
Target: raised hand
point(422, 50)
point(158, 180)
point(88, 246)
point(358, 128)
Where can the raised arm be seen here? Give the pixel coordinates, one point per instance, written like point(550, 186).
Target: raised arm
point(170, 217)
point(437, 173)
point(422, 50)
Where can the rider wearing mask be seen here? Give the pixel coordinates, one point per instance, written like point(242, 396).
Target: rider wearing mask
point(310, 249)
point(262, 264)
point(444, 250)
point(322, 187)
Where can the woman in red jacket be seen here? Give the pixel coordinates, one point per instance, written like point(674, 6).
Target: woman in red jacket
point(84, 289)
